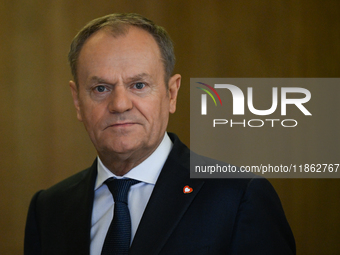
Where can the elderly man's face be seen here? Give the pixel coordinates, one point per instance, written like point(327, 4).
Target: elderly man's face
point(122, 98)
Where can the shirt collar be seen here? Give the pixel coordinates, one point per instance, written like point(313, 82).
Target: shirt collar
point(147, 171)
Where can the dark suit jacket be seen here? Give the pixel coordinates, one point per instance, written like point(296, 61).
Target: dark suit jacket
point(220, 216)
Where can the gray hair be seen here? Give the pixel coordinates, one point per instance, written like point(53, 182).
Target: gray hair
point(118, 24)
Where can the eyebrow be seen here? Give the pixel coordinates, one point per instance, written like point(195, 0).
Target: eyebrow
point(141, 76)
point(96, 79)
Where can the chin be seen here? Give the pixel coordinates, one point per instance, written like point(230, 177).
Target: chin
point(121, 148)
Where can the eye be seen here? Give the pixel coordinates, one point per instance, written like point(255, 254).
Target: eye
point(139, 85)
point(100, 89)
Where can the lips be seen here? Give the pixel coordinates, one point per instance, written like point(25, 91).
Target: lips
point(121, 125)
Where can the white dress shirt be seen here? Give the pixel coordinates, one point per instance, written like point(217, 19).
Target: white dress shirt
point(147, 172)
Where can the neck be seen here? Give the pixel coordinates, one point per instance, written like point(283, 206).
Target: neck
point(121, 164)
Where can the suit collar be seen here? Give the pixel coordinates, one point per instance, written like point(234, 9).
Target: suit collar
point(168, 202)
point(78, 209)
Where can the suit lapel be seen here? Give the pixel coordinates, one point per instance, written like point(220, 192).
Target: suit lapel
point(79, 203)
point(167, 203)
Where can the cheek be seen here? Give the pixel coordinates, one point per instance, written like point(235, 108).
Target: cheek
point(91, 118)
point(162, 116)
point(159, 109)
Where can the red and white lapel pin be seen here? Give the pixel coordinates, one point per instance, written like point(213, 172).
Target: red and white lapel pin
point(187, 189)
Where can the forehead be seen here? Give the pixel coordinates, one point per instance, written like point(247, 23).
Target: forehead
point(104, 51)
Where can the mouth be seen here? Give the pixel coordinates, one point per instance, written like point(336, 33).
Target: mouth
point(121, 125)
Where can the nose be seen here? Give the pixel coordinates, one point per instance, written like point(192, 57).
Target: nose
point(120, 100)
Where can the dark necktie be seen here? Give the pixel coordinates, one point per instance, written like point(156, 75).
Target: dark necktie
point(118, 237)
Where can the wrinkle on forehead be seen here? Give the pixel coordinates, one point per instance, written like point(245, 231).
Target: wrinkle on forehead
point(128, 58)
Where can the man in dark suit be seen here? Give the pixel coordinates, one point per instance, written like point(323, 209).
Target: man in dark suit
point(123, 91)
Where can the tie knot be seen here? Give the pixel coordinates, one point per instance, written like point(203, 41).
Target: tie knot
point(120, 188)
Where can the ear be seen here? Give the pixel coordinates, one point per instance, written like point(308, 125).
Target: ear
point(75, 96)
point(174, 85)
